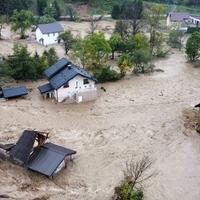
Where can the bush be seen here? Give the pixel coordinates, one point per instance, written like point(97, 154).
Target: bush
point(193, 46)
point(193, 29)
point(127, 192)
point(106, 74)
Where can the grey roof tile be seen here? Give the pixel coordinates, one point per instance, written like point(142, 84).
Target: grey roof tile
point(54, 27)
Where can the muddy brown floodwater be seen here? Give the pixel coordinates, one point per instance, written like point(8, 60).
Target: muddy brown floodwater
point(136, 116)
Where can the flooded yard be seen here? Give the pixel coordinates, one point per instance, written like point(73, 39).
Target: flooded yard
point(137, 116)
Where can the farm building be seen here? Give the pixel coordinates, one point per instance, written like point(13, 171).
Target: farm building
point(47, 34)
point(179, 18)
point(13, 92)
point(68, 82)
point(33, 152)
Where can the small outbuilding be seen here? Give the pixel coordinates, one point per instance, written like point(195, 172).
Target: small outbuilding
point(13, 92)
point(47, 34)
point(33, 152)
point(68, 82)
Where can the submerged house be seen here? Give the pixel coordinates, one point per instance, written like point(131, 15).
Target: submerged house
point(13, 92)
point(47, 34)
point(33, 152)
point(69, 83)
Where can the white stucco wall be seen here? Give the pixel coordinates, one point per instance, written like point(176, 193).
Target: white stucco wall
point(63, 93)
point(51, 38)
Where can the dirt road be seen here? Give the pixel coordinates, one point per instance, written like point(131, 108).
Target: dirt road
point(136, 116)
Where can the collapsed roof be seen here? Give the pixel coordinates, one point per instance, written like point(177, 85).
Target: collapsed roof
point(45, 158)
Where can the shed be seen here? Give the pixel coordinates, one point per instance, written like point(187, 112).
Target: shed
point(13, 92)
point(49, 159)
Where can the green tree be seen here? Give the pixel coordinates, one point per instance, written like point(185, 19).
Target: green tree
point(133, 11)
point(68, 40)
point(40, 63)
point(193, 46)
point(50, 10)
point(116, 11)
point(8, 6)
point(175, 38)
point(57, 10)
point(51, 56)
point(70, 10)
point(124, 64)
point(81, 51)
point(139, 50)
point(21, 64)
point(41, 5)
point(21, 21)
point(3, 20)
point(98, 50)
point(153, 17)
point(93, 51)
point(116, 43)
point(122, 27)
point(45, 19)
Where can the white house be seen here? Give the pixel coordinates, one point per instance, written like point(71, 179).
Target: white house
point(48, 33)
point(177, 18)
point(69, 83)
point(195, 19)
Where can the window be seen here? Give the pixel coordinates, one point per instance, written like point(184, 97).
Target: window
point(48, 34)
point(53, 34)
point(66, 85)
point(85, 81)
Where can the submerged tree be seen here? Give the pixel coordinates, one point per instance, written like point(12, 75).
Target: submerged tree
point(193, 46)
point(116, 43)
point(68, 40)
point(153, 16)
point(136, 173)
point(133, 11)
point(122, 27)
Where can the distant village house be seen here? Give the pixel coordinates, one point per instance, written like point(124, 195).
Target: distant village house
point(69, 83)
point(180, 18)
point(47, 34)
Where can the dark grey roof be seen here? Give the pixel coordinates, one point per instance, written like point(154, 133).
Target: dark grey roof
point(67, 74)
point(59, 149)
point(55, 68)
point(54, 27)
point(178, 16)
point(46, 159)
point(24, 146)
point(197, 106)
point(45, 88)
point(14, 92)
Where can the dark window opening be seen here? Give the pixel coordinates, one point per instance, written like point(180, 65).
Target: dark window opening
point(66, 85)
point(85, 81)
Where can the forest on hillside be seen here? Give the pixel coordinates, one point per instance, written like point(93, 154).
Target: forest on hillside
point(95, 6)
